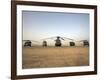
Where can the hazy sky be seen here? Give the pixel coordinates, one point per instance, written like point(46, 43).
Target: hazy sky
point(40, 25)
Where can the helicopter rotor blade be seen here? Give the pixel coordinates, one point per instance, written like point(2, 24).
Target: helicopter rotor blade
point(49, 38)
point(82, 40)
point(24, 40)
point(62, 38)
point(32, 41)
point(68, 38)
point(35, 41)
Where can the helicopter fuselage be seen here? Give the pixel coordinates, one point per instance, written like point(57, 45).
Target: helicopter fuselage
point(58, 42)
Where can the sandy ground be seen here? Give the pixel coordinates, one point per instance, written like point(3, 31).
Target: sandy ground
point(43, 57)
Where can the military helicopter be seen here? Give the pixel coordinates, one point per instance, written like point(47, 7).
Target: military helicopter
point(85, 42)
point(28, 42)
point(71, 43)
point(44, 43)
point(58, 42)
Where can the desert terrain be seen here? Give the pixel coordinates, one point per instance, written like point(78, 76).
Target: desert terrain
point(45, 57)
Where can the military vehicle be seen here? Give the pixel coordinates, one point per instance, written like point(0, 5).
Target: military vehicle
point(44, 43)
point(58, 40)
point(85, 42)
point(27, 43)
point(71, 41)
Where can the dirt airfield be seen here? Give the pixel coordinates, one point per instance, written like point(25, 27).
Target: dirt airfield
point(46, 57)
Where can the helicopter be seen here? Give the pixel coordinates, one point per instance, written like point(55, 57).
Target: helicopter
point(85, 42)
point(71, 43)
point(44, 43)
point(58, 42)
point(28, 42)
